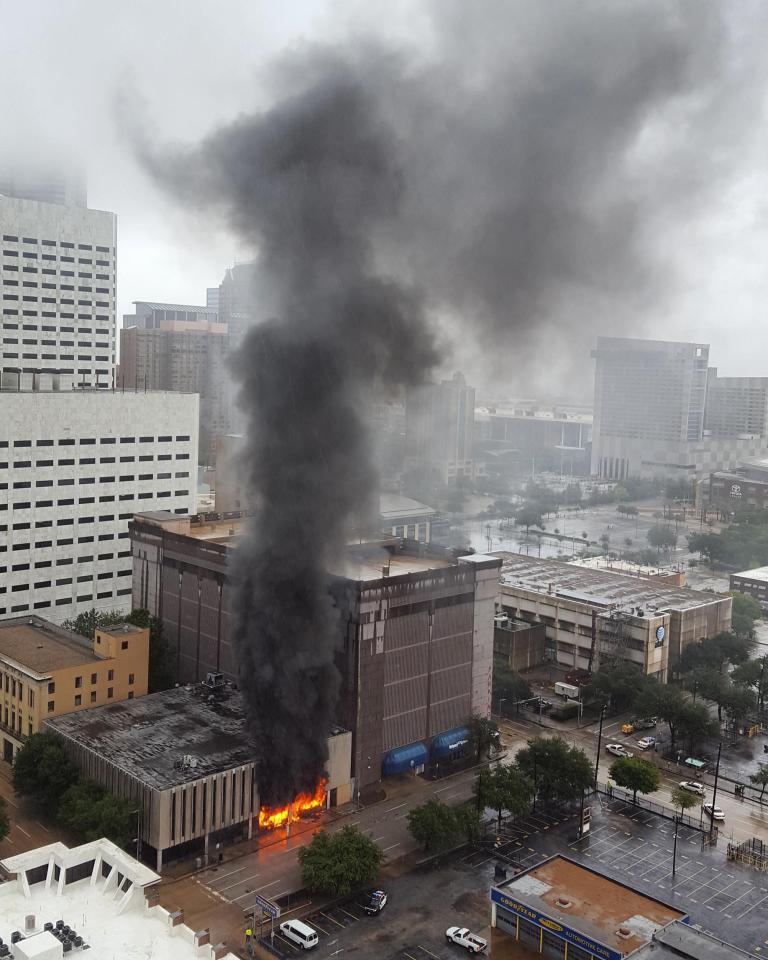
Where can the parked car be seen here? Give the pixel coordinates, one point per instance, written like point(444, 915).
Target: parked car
point(376, 902)
point(618, 750)
point(692, 786)
point(465, 938)
point(715, 812)
point(645, 743)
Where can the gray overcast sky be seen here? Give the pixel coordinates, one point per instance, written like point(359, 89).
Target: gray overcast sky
point(195, 65)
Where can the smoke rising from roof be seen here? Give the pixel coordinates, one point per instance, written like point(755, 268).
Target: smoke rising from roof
point(507, 183)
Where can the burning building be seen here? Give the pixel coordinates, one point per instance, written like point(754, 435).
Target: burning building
point(415, 648)
point(194, 778)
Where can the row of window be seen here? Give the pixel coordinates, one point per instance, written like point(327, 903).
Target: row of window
point(52, 327)
point(66, 561)
point(53, 314)
point(83, 461)
point(53, 272)
point(52, 356)
point(65, 601)
point(65, 581)
point(9, 238)
point(68, 442)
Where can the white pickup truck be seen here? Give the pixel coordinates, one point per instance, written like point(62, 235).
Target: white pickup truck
point(465, 938)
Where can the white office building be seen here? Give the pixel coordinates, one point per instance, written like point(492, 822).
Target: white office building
point(74, 468)
point(57, 279)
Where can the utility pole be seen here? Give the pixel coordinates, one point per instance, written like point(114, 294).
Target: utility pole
point(714, 791)
point(674, 845)
point(599, 742)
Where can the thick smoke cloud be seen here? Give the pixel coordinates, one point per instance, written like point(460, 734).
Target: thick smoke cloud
point(508, 183)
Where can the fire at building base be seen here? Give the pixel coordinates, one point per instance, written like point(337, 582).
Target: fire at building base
point(270, 818)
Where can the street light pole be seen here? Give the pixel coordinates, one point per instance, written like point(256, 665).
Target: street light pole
point(501, 700)
point(599, 742)
point(714, 791)
point(674, 846)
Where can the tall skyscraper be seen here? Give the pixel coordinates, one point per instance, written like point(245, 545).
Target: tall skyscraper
point(651, 401)
point(736, 406)
point(168, 346)
point(77, 460)
point(439, 429)
point(58, 293)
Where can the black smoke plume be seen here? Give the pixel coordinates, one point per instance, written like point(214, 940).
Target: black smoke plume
point(510, 182)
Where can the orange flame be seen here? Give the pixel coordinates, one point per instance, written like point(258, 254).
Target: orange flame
point(272, 817)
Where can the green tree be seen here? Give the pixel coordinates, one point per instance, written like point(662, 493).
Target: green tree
point(5, 823)
point(694, 724)
point(745, 611)
point(433, 825)
point(665, 702)
point(504, 788)
point(484, 735)
point(760, 779)
point(85, 623)
point(683, 799)
point(529, 515)
point(753, 673)
point(740, 703)
point(42, 770)
point(662, 537)
point(636, 774)
point(619, 685)
point(338, 863)
point(509, 683)
point(557, 771)
point(468, 821)
point(93, 812)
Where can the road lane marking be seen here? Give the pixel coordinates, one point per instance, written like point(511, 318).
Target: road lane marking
point(235, 883)
point(390, 809)
point(392, 846)
point(42, 827)
point(24, 831)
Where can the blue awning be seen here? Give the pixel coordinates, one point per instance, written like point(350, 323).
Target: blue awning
point(403, 759)
point(452, 743)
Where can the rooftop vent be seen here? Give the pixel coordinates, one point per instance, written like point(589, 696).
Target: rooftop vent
point(563, 903)
point(624, 932)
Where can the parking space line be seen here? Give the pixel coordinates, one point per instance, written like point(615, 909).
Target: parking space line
point(748, 910)
point(352, 915)
point(332, 919)
point(429, 952)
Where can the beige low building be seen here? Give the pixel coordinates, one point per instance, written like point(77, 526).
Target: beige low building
point(46, 671)
point(592, 616)
point(184, 756)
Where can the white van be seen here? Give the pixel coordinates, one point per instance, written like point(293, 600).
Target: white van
point(299, 933)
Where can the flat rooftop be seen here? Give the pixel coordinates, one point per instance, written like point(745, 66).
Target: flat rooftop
point(393, 505)
point(599, 906)
point(626, 567)
point(682, 940)
point(41, 647)
point(758, 573)
point(602, 588)
point(166, 738)
point(133, 933)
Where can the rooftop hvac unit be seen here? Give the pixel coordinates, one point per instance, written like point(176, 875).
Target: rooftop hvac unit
point(214, 680)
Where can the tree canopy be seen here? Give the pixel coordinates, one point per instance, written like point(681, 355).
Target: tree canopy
point(661, 537)
point(509, 683)
point(505, 788)
point(42, 770)
point(618, 685)
point(760, 779)
point(745, 611)
point(338, 863)
point(636, 774)
point(684, 799)
point(557, 771)
point(433, 825)
point(93, 812)
point(484, 735)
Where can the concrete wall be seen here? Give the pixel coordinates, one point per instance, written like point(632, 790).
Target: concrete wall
point(520, 648)
point(74, 468)
point(69, 322)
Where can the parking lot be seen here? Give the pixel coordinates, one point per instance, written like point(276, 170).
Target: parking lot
point(629, 844)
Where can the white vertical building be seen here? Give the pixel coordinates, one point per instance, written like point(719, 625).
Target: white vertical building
point(74, 468)
point(57, 279)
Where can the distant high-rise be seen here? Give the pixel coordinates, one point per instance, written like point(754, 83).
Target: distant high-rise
point(439, 427)
point(650, 418)
point(736, 406)
point(212, 298)
point(64, 185)
point(58, 292)
point(181, 348)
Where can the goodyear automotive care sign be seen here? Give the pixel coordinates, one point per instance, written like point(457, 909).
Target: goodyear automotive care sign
point(565, 933)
